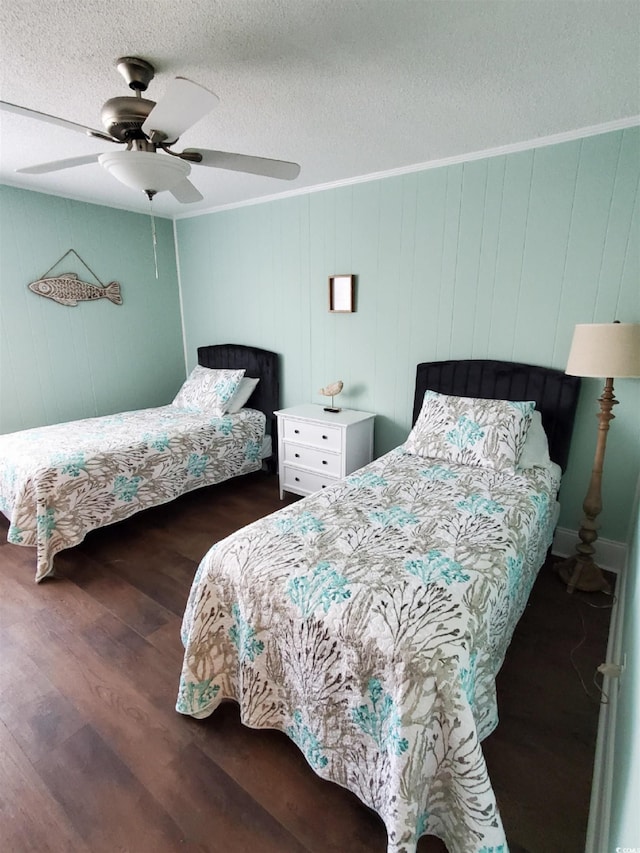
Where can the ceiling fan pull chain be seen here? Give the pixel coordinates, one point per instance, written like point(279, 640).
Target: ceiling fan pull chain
point(150, 195)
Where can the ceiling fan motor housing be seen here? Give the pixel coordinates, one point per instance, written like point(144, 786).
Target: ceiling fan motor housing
point(124, 116)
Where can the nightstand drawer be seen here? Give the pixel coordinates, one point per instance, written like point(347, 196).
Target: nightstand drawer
point(303, 482)
point(309, 457)
point(316, 434)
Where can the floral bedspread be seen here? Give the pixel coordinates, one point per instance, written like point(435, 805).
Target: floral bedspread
point(368, 622)
point(59, 482)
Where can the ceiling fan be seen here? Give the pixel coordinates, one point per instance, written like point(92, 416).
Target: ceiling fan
point(149, 130)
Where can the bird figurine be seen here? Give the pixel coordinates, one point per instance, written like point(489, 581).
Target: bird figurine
point(332, 391)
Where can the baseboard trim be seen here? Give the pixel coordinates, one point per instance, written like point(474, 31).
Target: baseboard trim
point(610, 555)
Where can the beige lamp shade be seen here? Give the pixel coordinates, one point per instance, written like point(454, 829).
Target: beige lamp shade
point(605, 350)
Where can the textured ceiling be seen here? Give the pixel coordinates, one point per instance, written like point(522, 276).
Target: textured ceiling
point(346, 88)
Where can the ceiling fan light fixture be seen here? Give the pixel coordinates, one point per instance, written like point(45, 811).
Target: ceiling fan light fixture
point(145, 170)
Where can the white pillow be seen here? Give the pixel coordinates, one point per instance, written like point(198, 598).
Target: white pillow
point(244, 390)
point(208, 390)
point(535, 453)
point(470, 430)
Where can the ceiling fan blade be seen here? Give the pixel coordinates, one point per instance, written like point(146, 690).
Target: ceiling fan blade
point(57, 165)
point(185, 192)
point(182, 105)
point(62, 122)
point(282, 169)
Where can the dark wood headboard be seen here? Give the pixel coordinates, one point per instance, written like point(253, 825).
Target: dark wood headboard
point(554, 393)
point(259, 364)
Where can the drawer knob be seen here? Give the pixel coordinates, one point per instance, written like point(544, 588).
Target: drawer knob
point(297, 455)
point(324, 462)
point(297, 479)
point(325, 437)
point(296, 431)
point(323, 486)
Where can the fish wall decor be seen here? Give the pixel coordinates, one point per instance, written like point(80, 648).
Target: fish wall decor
point(68, 289)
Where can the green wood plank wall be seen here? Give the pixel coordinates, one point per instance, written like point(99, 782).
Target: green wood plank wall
point(61, 363)
point(492, 258)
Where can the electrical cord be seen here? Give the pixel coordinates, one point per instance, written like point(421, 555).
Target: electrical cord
point(603, 698)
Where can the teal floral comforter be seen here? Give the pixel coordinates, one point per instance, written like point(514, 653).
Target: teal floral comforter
point(368, 623)
point(59, 482)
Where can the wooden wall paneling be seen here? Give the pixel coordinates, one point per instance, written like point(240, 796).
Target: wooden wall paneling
point(550, 213)
point(230, 286)
point(618, 292)
point(278, 296)
point(322, 328)
point(195, 238)
point(585, 245)
point(404, 378)
point(582, 283)
point(203, 292)
point(348, 327)
point(449, 261)
point(628, 302)
point(469, 250)
point(388, 294)
point(317, 305)
point(266, 267)
point(483, 328)
point(18, 339)
point(331, 328)
point(274, 268)
point(12, 399)
point(292, 309)
point(360, 394)
point(513, 227)
point(301, 349)
point(426, 294)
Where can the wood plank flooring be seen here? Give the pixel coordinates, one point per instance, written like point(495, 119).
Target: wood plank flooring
point(93, 756)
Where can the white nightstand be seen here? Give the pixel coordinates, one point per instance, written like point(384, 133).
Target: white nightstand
point(317, 448)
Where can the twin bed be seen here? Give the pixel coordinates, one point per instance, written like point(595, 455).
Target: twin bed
point(368, 621)
point(59, 482)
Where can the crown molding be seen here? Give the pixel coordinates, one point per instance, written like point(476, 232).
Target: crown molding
point(499, 151)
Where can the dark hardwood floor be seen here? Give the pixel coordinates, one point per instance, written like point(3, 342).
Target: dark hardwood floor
point(95, 758)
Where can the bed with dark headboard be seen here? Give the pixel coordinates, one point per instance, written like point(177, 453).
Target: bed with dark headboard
point(258, 364)
point(369, 620)
point(59, 482)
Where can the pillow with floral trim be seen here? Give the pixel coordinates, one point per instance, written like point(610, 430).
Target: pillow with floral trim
point(208, 390)
point(470, 430)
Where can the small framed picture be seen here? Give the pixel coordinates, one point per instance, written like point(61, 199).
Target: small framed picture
point(341, 294)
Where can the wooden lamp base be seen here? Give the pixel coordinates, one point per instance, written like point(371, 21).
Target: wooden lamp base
point(580, 571)
point(582, 575)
